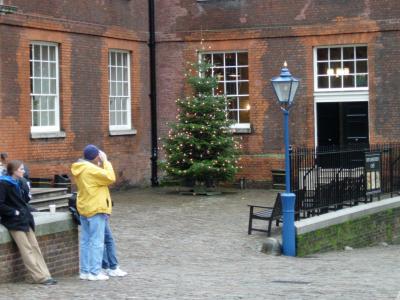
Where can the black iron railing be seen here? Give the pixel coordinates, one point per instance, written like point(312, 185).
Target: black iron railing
point(326, 179)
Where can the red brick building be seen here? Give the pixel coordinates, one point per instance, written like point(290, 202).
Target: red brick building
point(344, 52)
point(77, 72)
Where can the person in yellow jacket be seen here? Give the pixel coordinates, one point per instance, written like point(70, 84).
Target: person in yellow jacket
point(93, 175)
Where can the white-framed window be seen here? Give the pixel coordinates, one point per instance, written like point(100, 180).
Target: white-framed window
point(119, 90)
point(232, 69)
point(341, 68)
point(44, 82)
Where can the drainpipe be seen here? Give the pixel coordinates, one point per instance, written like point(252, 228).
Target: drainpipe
point(153, 95)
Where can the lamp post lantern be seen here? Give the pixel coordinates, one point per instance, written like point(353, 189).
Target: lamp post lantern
point(285, 87)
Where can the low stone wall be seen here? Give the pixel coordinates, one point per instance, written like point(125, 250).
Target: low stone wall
point(357, 226)
point(58, 240)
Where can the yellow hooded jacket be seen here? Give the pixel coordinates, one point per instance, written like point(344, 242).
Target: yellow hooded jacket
point(93, 193)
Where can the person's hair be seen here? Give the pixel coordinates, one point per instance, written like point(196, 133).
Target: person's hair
point(3, 156)
point(13, 166)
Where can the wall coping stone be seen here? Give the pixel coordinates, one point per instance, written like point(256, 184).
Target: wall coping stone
point(344, 215)
point(46, 223)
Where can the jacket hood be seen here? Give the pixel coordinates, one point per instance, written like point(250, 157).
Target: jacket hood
point(10, 180)
point(78, 167)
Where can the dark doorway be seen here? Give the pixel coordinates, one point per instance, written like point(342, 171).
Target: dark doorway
point(342, 124)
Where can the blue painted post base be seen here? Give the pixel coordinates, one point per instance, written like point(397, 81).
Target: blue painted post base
point(288, 230)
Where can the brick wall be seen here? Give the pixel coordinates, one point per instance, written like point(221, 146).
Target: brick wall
point(60, 251)
point(83, 65)
point(370, 227)
point(57, 236)
point(272, 33)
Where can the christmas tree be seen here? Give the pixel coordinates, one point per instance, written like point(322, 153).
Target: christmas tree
point(200, 146)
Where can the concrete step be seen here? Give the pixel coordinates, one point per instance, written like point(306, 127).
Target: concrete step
point(40, 193)
point(43, 197)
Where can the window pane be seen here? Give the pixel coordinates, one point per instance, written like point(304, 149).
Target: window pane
point(37, 86)
point(118, 118)
point(36, 118)
point(51, 103)
point(43, 103)
point(52, 53)
point(45, 86)
point(244, 103)
point(219, 73)
point(233, 115)
point(322, 54)
point(361, 52)
point(112, 104)
point(125, 59)
point(323, 82)
point(243, 73)
point(45, 69)
point(336, 82)
point(336, 53)
point(348, 52)
point(126, 91)
point(113, 74)
point(244, 116)
point(232, 103)
point(335, 66)
point(35, 102)
point(119, 74)
point(362, 80)
point(45, 53)
point(53, 73)
point(230, 59)
point(36, 69)
point(53, 86)
point(348, 81)
point(231, 88)
point(119, 104)
point(218, 59)
point(125, 74)
point(124, 104)
point(52, 118)
point(362, 66)
point(231, 74)
point(242, 59)
point(44, 118)
point(36, 49)
point(243, 88)
point(119, 59)
point(322, 68)
point(349, 65)
point(124, 118)
point(113, 91)
point(207, 58)
point(119, 89)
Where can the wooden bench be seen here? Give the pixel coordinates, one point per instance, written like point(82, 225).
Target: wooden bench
point(266, 213)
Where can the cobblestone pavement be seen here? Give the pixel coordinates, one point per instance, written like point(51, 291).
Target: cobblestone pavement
point(185, 247)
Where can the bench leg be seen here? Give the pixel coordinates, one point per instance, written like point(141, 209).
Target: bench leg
point(250, 221)
point(269, 227)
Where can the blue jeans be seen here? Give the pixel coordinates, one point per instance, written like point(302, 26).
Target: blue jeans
point(92, 243)
point(110, 260)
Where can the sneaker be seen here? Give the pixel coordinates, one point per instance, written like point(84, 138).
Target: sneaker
point(117, 273)
point(105, 271)
point(99, 276)
point(84, 276)
point(49, 281)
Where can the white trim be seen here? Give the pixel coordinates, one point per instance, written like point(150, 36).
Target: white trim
point(56, 127)
point(354, 96)
point(315, 67)
point(128, 126)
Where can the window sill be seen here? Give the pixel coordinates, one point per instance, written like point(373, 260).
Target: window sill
point(246, 129)
point(123, 132)
point(48, 135)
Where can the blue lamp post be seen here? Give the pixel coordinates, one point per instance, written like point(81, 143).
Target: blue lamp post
point(285, 87)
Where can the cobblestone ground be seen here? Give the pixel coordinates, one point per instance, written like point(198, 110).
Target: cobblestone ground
point(185, 247)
